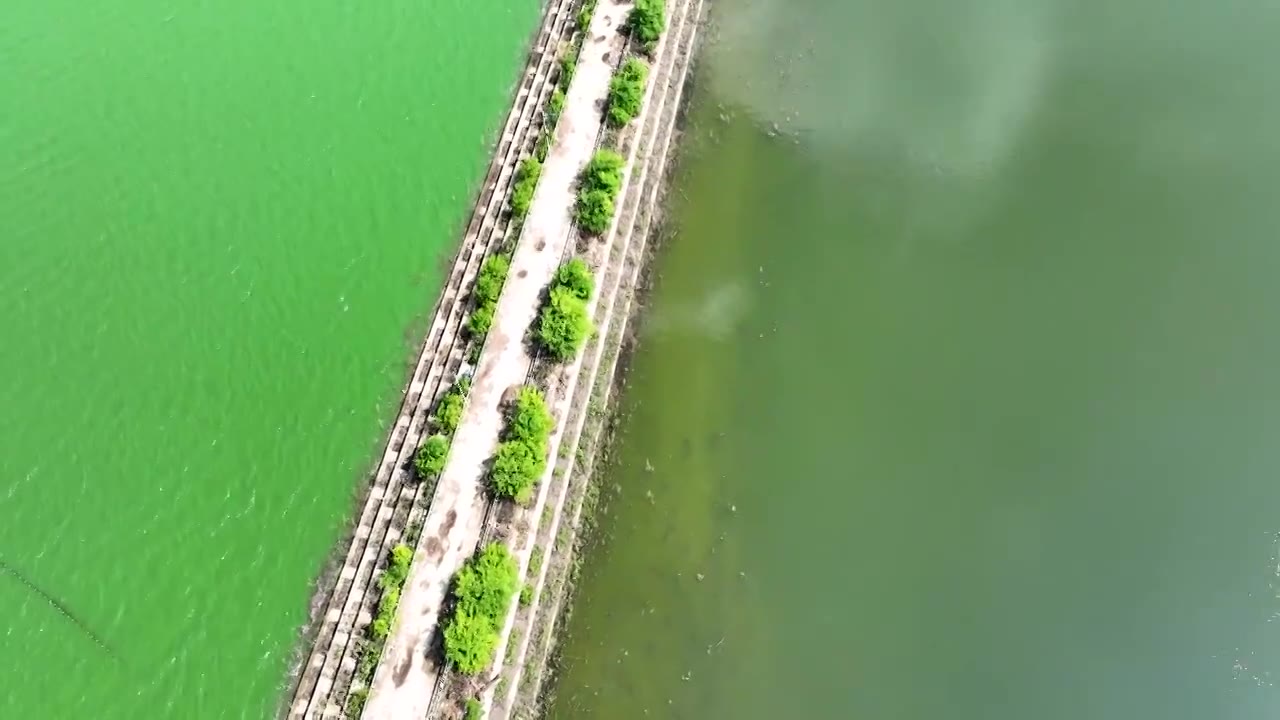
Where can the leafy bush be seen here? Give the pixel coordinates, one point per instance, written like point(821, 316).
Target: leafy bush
point(429, 460)
point(390, 582)
point(598, 187)
point(526, 596)
point(522, 456)
point(576, 277)
point(626, 92)
point(356, 701)
point(475, 711)
point(603, 172)
point(568, 66)
point(492, 276)
point(489, 282)
point(449, 411)
point(543, 148)
point(584, 14)
point(516, 469)
point(397, 567)
point(486, 583)
point(483, 589)
point(564, 325)
point(646, 21)
point(480, 320)
point(531, 421)
point(555, 106)
point(469, 641)
point(594, 211)
point(526, 182)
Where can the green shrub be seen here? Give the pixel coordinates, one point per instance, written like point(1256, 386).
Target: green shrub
point(475, 711)
point(584, 14)
point(486, 583)
point(380, 628)
point(531, 421)
point(492, 276)
point(598, 187)
point(564, 325)
point(449, 409)
point(522, 456)
point(543, 148)
point(568, 66)
point(576, 277)
point(516, 469)
point(594, 211)
point(646, 21)
point(480, 320)
point(483, 589)
point(429, 460)
point(626, 92)
point(356, 701)
point(397, 567)
point(603, 172)
point(555, 106)
point(526, 182)
point(526, 596)
point(469, 642)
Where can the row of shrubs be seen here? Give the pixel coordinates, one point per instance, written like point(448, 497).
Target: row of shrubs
point(429, 460)
point(522, 455)
point(493, 275)
point(482, 592)
point(390, 583)
point(564, 323)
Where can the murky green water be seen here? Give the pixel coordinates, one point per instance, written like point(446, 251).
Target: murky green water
point(958, 387)
point(220, 228)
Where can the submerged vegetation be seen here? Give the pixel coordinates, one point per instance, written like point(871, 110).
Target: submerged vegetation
point(626, 92)
point(482, 590)
point(522, 454)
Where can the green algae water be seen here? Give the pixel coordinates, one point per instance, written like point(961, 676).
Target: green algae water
point(221, 229)
point(955, 390)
